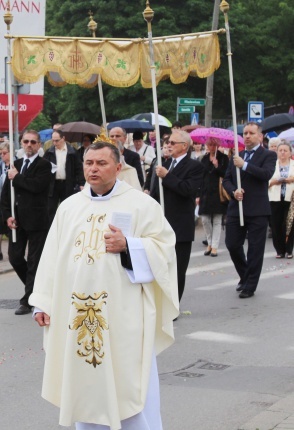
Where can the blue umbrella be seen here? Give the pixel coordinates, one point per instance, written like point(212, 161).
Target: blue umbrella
point(239, 129)
point(46, 134)
point(131, 125)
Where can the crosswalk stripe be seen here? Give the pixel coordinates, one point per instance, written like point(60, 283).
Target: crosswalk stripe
point(264, 276)
point(212, 266)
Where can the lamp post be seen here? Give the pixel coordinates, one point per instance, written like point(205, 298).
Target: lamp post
point(148, 15)
point(224, 7)
point(92, 26)
point(8, 18)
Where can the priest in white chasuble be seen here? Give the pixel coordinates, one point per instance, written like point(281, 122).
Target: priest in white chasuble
point(106, 294)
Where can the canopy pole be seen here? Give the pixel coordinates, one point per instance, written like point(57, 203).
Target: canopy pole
point(8, 18)
point(224, 7)
point(92, 25)
point(148, 15)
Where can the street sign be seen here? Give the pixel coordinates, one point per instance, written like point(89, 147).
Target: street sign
point(186, 109)
point(255, 111)
point(192, 102)
point(195, 118)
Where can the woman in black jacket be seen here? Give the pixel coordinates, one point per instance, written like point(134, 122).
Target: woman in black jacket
point(211, 208)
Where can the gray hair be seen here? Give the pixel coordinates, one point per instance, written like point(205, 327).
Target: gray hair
point(274, 141)
point(4, 145)
point(100, 145)
point(184, 136)
point(286, 143)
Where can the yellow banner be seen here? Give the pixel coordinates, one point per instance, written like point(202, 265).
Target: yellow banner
point(120, 63)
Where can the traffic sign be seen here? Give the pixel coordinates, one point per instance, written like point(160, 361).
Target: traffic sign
point(194, 118)
point(255, 111)
point(186, 109)
point(192, 102)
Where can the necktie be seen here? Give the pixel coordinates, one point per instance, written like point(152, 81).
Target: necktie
point(248, 155)
point(174, 162)
point(25, 166)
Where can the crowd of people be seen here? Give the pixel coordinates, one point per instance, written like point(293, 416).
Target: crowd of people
point(92, 244)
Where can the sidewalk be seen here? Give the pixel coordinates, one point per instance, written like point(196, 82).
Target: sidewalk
point(279, 416)
point(4, 264)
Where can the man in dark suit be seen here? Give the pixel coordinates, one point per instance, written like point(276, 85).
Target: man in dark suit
point(119, 135)
point(257, 166)
point(30, 178)
point(68, 176)
point(181, 179)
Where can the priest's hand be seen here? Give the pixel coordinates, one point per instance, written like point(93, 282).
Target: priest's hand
point(115, 242)
point(42, 319)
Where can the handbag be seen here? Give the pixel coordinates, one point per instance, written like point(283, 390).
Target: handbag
point(223, 195)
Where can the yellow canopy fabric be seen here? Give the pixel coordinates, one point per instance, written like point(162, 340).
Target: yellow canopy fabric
point(120, 63)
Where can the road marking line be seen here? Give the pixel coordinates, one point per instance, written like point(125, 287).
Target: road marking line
point(264, 276)
point(219, 337)
point(216, 266)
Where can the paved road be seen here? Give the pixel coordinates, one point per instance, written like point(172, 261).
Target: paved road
point(231, 367)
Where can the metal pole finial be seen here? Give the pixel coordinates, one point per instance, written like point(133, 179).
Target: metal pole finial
point(8, 17)
point(92, 25)
point(148, 13)
point(224, 6)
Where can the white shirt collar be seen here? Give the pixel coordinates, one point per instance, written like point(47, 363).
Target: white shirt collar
point(30, 158)
point(108, 196)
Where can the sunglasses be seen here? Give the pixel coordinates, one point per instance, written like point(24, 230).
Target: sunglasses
point(32, 141)
point(56, 140)
point(172, 142)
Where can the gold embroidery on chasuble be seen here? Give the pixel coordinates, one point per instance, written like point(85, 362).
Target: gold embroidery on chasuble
point(90, 242)
point(90, 325)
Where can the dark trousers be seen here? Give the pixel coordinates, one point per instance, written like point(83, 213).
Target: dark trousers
point(248, 268)
point(59, 194)
point(278, 225)
point(183, 252)
point(26, 269)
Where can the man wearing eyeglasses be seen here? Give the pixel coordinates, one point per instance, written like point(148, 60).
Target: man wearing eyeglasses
point(67, 172)
point(181, 178)
point(30, 177)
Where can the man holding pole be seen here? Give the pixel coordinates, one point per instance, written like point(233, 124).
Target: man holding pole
point(257, 166)
point(30, 177)
point(181, 180)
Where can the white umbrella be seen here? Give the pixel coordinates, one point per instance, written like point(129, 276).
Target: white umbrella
point(287, 134)
point(150, 117)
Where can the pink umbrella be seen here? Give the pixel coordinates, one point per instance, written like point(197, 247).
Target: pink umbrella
point(224, 136)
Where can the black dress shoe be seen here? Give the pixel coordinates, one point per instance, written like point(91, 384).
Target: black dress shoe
point(205, 242)
point(207, 252)
point(240, 288)
point(246, 294)
point(23, 310)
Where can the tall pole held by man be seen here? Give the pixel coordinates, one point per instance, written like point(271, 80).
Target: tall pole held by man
point(224, 7)
point(8, 18)
point(148, 15)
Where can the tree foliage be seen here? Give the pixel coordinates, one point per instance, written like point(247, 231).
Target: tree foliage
point(262, 41)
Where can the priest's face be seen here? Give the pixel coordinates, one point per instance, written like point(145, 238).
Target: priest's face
point(101, 169)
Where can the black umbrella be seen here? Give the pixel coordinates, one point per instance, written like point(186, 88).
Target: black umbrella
point(75, 131)
point(277, 121)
